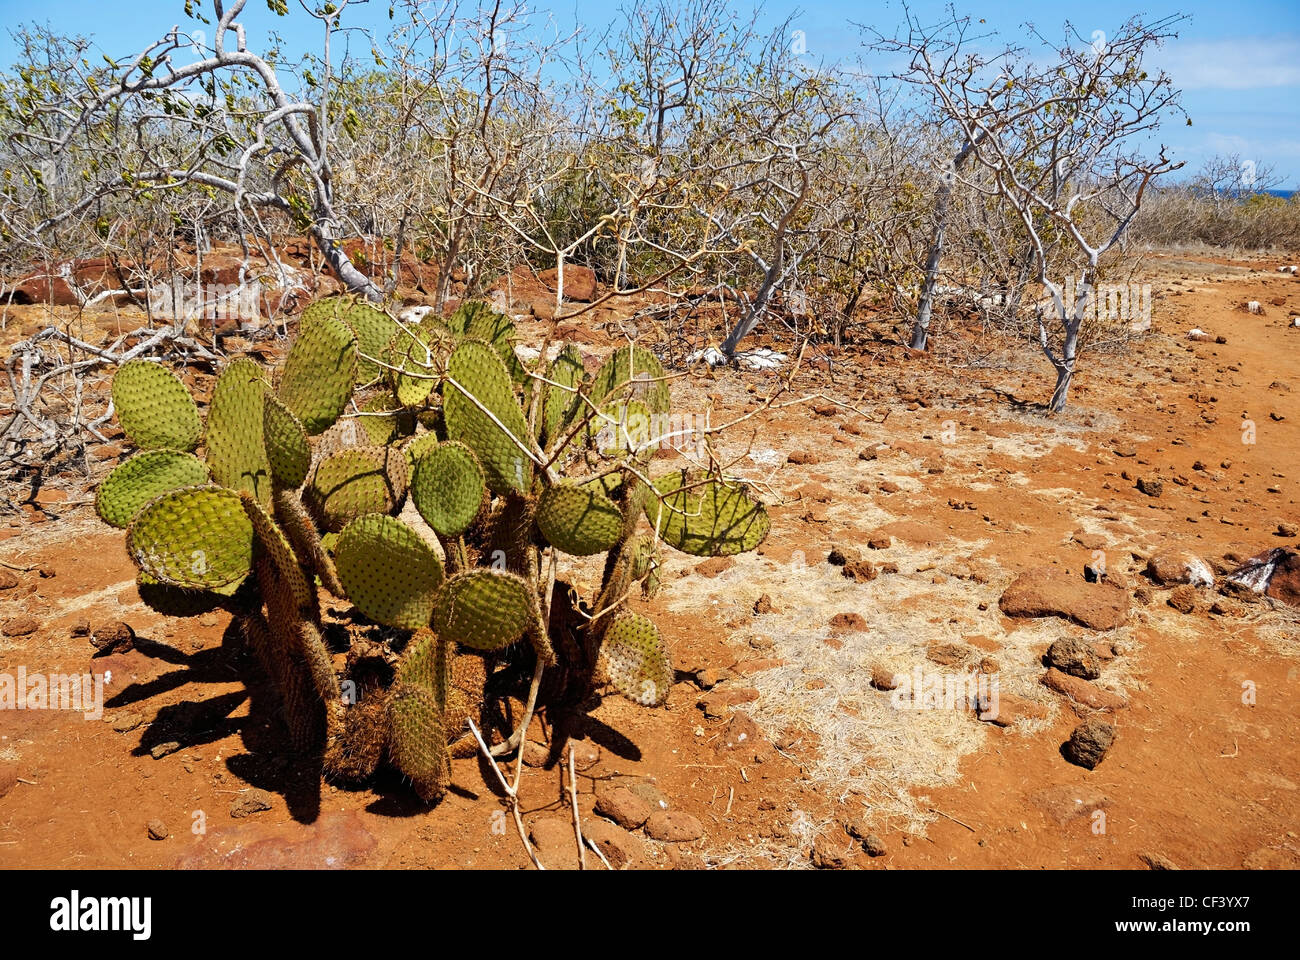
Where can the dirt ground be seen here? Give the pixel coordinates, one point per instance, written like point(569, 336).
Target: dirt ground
point(949, 481)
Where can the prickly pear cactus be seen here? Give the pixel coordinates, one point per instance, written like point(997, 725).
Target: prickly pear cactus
point(510, 467)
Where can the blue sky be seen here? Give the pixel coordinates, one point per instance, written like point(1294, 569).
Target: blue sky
point(1238, 63)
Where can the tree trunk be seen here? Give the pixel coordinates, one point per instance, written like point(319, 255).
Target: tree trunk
point(343, 267)
point(921, 325)
point(1065, 365)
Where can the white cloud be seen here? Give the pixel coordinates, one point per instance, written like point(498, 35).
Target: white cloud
point(1238, 63)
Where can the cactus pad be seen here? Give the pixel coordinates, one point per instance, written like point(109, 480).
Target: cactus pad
point(475, 367)
point(560, 407)
point(635, 659)
point(645, 373)
point(578, 519)
point(418, 354)
point(417, 742)
point(416, 447)
point(145, 476)
point(236, 447)
point(272, 541)
point(288, 451)
point(706, 517)
point(384, 419)
point(154, 408)
point(195, 537)
point(373, 329)
point(390, 574)
point(484, 609)
point(448, 488)
point(351, 483)
point(318, 373)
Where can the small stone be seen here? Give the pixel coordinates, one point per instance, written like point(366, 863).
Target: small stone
point(1073, 657)
point(764, 605)
point(1285, 529)
point(1082, 691)
point(888, 486)
point(1089, 743)
point(160, 750)
point(841, 555)
point(843, 623)
point(1157, 861)
point(826, 854)
point(947, 654)
point(536, 754)
point(802, 457)
point(126, 722)
point(112, 636)
point(624, 807)
point(1151, 486)
point(557, 844)
point(860, 571)
point(254, 801)
point(883, 678)
point(619, 847)
point(8, 579)
point(157, 829)
point(874, 846)
point(1183, 599)
point(879, 541)
point(20, 626)
point(673, 826)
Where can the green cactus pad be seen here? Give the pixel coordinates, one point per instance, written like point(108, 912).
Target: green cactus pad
point(236, 448)
point(622, 427)
point(373, 329)
point(422, 661)
point(448, 488)
point(419, 355)
point(475, 367)
point(272, 541)
point(498, 330)
point(288, 451)
point(484, 609)
point(390, 574)
point(392, 420)
point(345, 434)
point(417, 741)
point(633, 363)
point(636, 660)
point(195, 537)
point(351, 483)
point(416, 447)
point(145, 476)
point(646, 564)
point(711, 519)
point(578, 520)
point(560, 407)
point(465, 315)
point(318, 373)
point(154, 408)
